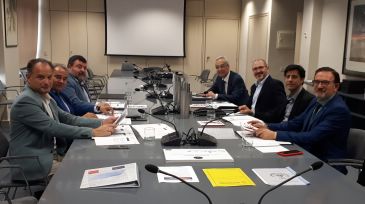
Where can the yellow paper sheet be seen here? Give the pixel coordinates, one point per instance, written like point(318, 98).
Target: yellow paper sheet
point(223, 177)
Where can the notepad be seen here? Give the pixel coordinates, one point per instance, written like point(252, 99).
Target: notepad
point(225, 177)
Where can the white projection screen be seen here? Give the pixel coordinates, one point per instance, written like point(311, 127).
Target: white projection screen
point(144, 27)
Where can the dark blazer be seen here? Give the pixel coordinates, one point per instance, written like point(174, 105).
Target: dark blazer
point(236, 90)
point(75, 94)
point(78, 109)
point(325, 136)
point(32, 131)
point(270, 102)
point(302, 101)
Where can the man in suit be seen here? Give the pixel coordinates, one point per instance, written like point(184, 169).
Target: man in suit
point(35, 120)
point(268, 98)
point(298, 98)
point(60, 75)
point(323, 127)
point(76, 90)
point(229, 86)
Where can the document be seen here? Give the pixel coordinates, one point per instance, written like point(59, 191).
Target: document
point(123, 135)
point(186, 173)
point(220, 133)
point(274, 176)
point(224, 177)
point(213, 123)
point(272, 149)
point(237, 120)
point(120, 176)
point(160, 129)
point(258, 142)
point(197, 155)
point(223, 105)
point(117, 105)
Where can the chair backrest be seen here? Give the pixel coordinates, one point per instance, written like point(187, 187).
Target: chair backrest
point(356, 144)
point(4, 145)
point(214, 77)
point(23, 74)
point(204, 76)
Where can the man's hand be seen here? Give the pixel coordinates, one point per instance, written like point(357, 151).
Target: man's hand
point(109, 120)
point(210, 94)
point(106, 108)
point(257, 124)
point(90, 115)
point(104, 130)
point(245, 110)
point(265, 134)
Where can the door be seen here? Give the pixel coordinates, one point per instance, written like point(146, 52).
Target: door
point(257, 43)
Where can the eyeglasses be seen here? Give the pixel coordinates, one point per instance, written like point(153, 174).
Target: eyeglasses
point(323, 82)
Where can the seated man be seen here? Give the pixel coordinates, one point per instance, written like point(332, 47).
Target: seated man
point(268, 98)
point(229, 86)
point(323, 127)
point(298, 98)
point(76, 90)
point(35, 120)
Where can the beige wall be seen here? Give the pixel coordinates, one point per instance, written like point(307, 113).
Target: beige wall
point(77, 27)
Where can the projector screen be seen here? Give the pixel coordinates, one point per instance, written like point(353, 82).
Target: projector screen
point(144, 27)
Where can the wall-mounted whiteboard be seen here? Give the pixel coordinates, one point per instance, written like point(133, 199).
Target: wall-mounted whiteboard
point(144, 27)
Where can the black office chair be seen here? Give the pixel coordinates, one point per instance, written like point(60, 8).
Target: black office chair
point(355, 153)
point(6, 181)
point(22, 200)
point(204, 76)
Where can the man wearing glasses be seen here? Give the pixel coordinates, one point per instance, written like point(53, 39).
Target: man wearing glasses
point(323, 127)
point(268, 98)
point(229, 86)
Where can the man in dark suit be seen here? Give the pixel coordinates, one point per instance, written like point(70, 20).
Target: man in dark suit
point(323, 127)
point(268, 98)
point(229, 86)
point(76, 90)
point(298, 98)
point(60, 75)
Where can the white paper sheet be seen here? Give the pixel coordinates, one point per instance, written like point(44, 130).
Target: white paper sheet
point(187, 173)
point(258, 142)
point(271, 149)
point(274, 176)
point(237, 120)
point(220, 133)
point(197, 155)
point(160, 129)
point(123, 136)
point(213, 123)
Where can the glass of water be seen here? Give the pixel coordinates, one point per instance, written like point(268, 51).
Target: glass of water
point(149, 133)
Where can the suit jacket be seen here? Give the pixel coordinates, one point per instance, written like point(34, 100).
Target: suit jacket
point(75, 93)
point(325, 136)
point(78, 109)
point(302, 101)
point(270, 102)
point(32, 131)
point(236, 89)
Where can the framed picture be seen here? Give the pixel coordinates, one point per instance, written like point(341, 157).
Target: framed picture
point(354, 59)
point(11, 23)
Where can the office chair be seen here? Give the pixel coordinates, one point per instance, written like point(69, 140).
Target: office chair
point(6, 181)
point(355, 153)
point(203, 77)
point(22, 200)
point(4, 101)
point(23, 75)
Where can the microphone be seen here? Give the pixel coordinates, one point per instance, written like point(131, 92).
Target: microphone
point(204, 139)
point(314, 166)
point(171, 139)
point(154, 169)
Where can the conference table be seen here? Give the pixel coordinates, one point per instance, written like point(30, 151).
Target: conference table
point(327, 185)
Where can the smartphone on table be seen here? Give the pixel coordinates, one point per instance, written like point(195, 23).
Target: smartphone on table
point(290, 153)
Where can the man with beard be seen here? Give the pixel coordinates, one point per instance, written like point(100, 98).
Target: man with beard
point(323, 127)
point(76, 90)
point(268, 98)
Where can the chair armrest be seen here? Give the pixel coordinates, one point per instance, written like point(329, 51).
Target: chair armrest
point(346, 162)
point(10, 90)
point(6, 196)
point(22, 173)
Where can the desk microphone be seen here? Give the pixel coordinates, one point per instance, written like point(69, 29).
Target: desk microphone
point(154, 169)
point(314, 166)
point(171, 139)
point(204, 139)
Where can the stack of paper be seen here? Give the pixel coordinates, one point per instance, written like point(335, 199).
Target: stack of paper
point(184, 172)
point(197, 155)
point(223, 177)
point(274, 176)
point(120, 176)
point(124, 135)
point(160, 129)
